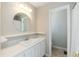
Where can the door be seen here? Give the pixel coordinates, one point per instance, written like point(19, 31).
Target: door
point(75, 30)
point(59, 28)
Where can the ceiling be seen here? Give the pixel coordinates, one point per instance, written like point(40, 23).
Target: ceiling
point(38, 4)
point(54, 4)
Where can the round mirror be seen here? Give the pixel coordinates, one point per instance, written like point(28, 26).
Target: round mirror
point(22, 22)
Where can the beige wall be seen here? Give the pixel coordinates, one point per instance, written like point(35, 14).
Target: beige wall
point(42, 19)
point(8, 12)
point(0, 18)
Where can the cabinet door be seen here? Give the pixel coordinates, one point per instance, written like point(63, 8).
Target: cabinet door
point(29, 52)
point(37, 50)
point(42, 48)
point(34, 51)
point(20, 55)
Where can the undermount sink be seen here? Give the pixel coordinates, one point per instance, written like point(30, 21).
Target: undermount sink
point(32, 41)
point(26, 39)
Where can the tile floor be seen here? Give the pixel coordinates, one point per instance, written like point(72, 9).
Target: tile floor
point(58, 53)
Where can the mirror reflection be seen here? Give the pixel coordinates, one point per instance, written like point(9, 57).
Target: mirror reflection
point(23, 21)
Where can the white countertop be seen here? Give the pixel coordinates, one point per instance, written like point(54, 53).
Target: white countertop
point(21, 34)
point(4, 38)
point(14, 50)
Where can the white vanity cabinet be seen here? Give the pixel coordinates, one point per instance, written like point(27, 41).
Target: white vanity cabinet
point(33, 47)
point(37, 50)
point(34, 51)
point(20, 55)
point(42, 48)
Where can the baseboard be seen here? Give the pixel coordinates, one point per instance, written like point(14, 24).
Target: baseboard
point(60, 47)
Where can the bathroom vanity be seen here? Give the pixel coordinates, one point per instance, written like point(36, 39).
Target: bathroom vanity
point(23, 45)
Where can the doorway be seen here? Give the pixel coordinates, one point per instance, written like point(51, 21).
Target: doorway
point(59, 30)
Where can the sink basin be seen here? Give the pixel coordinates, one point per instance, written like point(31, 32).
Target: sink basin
point(32, 41)
point(29, 41)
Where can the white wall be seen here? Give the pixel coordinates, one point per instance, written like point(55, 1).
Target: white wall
point(75, 29)
point(8, 12)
